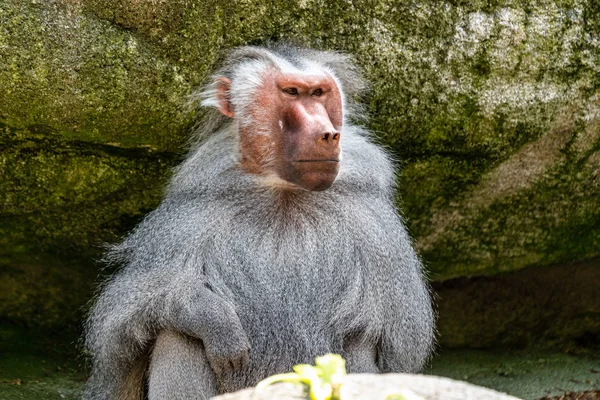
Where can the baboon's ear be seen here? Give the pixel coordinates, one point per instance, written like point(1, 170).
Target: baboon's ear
point(224, 105)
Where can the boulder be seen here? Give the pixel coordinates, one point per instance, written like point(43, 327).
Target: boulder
point(492, 110)
point(378, 387)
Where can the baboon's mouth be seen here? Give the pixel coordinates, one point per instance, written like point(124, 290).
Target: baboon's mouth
point(331, 161)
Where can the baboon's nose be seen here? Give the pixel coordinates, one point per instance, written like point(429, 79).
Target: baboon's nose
point(330, 137)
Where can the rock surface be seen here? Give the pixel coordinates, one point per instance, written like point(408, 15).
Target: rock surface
point(378, 387)
point(491, 108)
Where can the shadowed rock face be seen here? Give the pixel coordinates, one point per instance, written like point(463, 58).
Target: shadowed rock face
point(557, 306)
point(492, 109)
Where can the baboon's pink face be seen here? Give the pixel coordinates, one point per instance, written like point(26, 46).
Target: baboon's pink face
point(299, 120)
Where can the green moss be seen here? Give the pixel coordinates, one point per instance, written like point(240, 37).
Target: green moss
point(67, 197)
point(554, 220)
point(61, 202)
point(86, 79)
point(435, 183)
point(471, 96)
point(526, 374)
point(36, 364)
point(44, 292)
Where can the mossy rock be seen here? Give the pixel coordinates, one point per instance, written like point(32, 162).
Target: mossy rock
point(491, 108)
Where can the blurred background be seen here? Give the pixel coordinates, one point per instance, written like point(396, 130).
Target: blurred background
point(492, 109)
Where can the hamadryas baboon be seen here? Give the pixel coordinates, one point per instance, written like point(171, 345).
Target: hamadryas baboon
point(277, 241)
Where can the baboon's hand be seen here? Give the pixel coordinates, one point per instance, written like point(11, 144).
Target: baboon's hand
point(213, 320)
point(228, 351)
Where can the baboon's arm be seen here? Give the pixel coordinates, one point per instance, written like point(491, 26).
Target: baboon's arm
point(213, 320)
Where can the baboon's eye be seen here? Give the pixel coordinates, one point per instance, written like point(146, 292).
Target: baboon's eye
point(291, 91)
point(318, 92)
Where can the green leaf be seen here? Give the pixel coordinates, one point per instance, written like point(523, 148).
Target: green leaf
point(323, 380)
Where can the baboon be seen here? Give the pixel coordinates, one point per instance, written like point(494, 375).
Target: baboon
point(277, 241)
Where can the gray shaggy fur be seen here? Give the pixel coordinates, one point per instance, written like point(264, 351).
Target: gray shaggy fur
point(227, 263)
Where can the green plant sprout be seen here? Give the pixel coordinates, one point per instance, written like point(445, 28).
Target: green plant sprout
point(323, 380)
